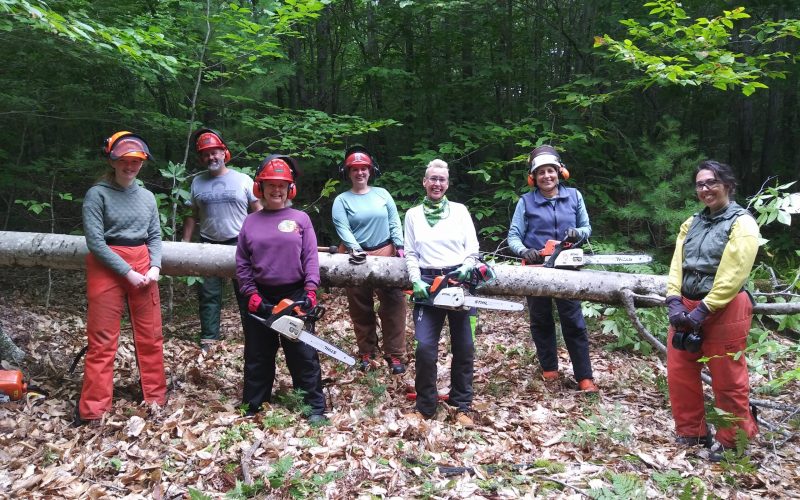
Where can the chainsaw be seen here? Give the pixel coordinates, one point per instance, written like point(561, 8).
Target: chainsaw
point(563, 255)
point(447, 292)
point(288, 319)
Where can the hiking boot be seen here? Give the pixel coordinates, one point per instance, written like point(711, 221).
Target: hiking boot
point(549, 376)
point(464, 420)
point(704, 441)
point(715, 452)
point(365, 361)
point(588, 385)
point(207, 345)
point(395, 365)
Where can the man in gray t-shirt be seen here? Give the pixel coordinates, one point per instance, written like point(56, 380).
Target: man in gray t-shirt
point(220, 200)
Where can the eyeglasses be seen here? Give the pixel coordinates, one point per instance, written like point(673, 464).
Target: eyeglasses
point(437, 180)
point(709, 184)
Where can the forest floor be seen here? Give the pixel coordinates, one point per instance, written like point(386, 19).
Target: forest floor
point(532, 439)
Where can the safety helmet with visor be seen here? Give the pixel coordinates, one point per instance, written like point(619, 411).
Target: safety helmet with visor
point(126, 144)
point(541, 156)
point(276, 168)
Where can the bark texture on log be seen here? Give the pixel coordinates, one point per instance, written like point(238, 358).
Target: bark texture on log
point(61, 251)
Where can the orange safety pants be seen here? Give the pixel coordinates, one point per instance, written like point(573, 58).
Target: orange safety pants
point(724, 334)
point(106, 293)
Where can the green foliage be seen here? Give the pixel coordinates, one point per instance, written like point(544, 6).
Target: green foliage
point(293, 401)
point(679, 50)
point(614, 321)
point(278, 420)
point(198, 495)
point(235, 434)
point(243, 491)
point(622, 486)
point(281, 477)
point(674, 484)
point(606, 429)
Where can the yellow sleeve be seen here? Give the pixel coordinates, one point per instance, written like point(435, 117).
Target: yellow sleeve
point(676, 267)
point(736, 263)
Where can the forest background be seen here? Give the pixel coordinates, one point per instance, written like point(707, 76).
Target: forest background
point(634, 95)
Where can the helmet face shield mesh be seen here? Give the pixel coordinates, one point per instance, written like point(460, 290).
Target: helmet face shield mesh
point(130, 146)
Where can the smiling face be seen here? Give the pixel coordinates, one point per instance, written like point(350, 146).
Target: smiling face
point(711, 191)
point(126, 169)
point(214, 159)
point(436, 182)
point(275, 194)
point(547, 179)
point(359, 176)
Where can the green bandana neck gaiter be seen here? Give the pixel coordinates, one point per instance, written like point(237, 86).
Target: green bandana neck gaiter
point(435, 210)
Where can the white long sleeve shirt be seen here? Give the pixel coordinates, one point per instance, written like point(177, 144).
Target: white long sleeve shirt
point(451, 242)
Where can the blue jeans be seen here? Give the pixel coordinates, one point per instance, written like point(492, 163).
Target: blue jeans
point(573, 328)
point(428, 324)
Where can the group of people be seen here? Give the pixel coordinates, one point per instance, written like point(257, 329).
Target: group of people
point(277, 258)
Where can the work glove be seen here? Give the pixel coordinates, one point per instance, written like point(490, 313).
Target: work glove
point(257, 305)
point(310, 302)
point(697, 316)
point(572, 235)
point(421, 289)
point(401, 253)
point(357, 257)
point(677, 313)
point(464, 273)
point(532, 256)
point(485, 272)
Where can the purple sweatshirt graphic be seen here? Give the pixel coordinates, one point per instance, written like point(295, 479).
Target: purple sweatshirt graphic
point(277, 247)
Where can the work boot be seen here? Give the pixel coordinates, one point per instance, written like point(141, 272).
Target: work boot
point(366, 361)
point(716, 451)
point(704, 441)
point(463, 419)
point(588, 385)
point(550, 376)
point(395, 365)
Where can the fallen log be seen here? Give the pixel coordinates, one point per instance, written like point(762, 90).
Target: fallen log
point(59, 251)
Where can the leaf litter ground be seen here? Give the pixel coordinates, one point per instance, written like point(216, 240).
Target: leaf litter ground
point(531, 439)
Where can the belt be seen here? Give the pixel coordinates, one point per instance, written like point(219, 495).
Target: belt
point(369, 249)
point(434, 271)
point(124, 242)
point(225, 242)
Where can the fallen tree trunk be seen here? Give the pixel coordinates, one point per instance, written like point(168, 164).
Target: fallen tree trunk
point(199, 259)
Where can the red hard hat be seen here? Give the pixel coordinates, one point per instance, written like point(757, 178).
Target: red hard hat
point(209, 140)
point(275, 170)
point(358, 159)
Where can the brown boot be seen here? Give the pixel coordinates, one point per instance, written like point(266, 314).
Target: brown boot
point(588, 385)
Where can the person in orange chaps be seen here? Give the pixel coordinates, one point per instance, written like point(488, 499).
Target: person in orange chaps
point(123, 234)
point(710, 313)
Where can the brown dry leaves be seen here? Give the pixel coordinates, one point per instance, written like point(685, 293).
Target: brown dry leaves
point(199, 440)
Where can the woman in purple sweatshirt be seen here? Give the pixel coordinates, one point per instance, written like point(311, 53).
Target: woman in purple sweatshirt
point(276, 258)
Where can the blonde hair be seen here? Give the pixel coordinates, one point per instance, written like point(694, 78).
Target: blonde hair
point(437, 163)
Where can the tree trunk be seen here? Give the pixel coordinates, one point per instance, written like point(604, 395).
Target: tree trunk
point(62, 251)
point(8, 350)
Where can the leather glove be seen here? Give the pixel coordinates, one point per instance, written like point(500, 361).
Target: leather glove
point(532, 256)
point(464, 273)
point(677, 313)
point(257, 305)
point(357, 257)
point(421, 289)
point(401, 253)
point(310, 301)
point(572, 235)
point(697, 316)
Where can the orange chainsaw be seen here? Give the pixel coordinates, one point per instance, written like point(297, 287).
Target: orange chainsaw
point(564, 255)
